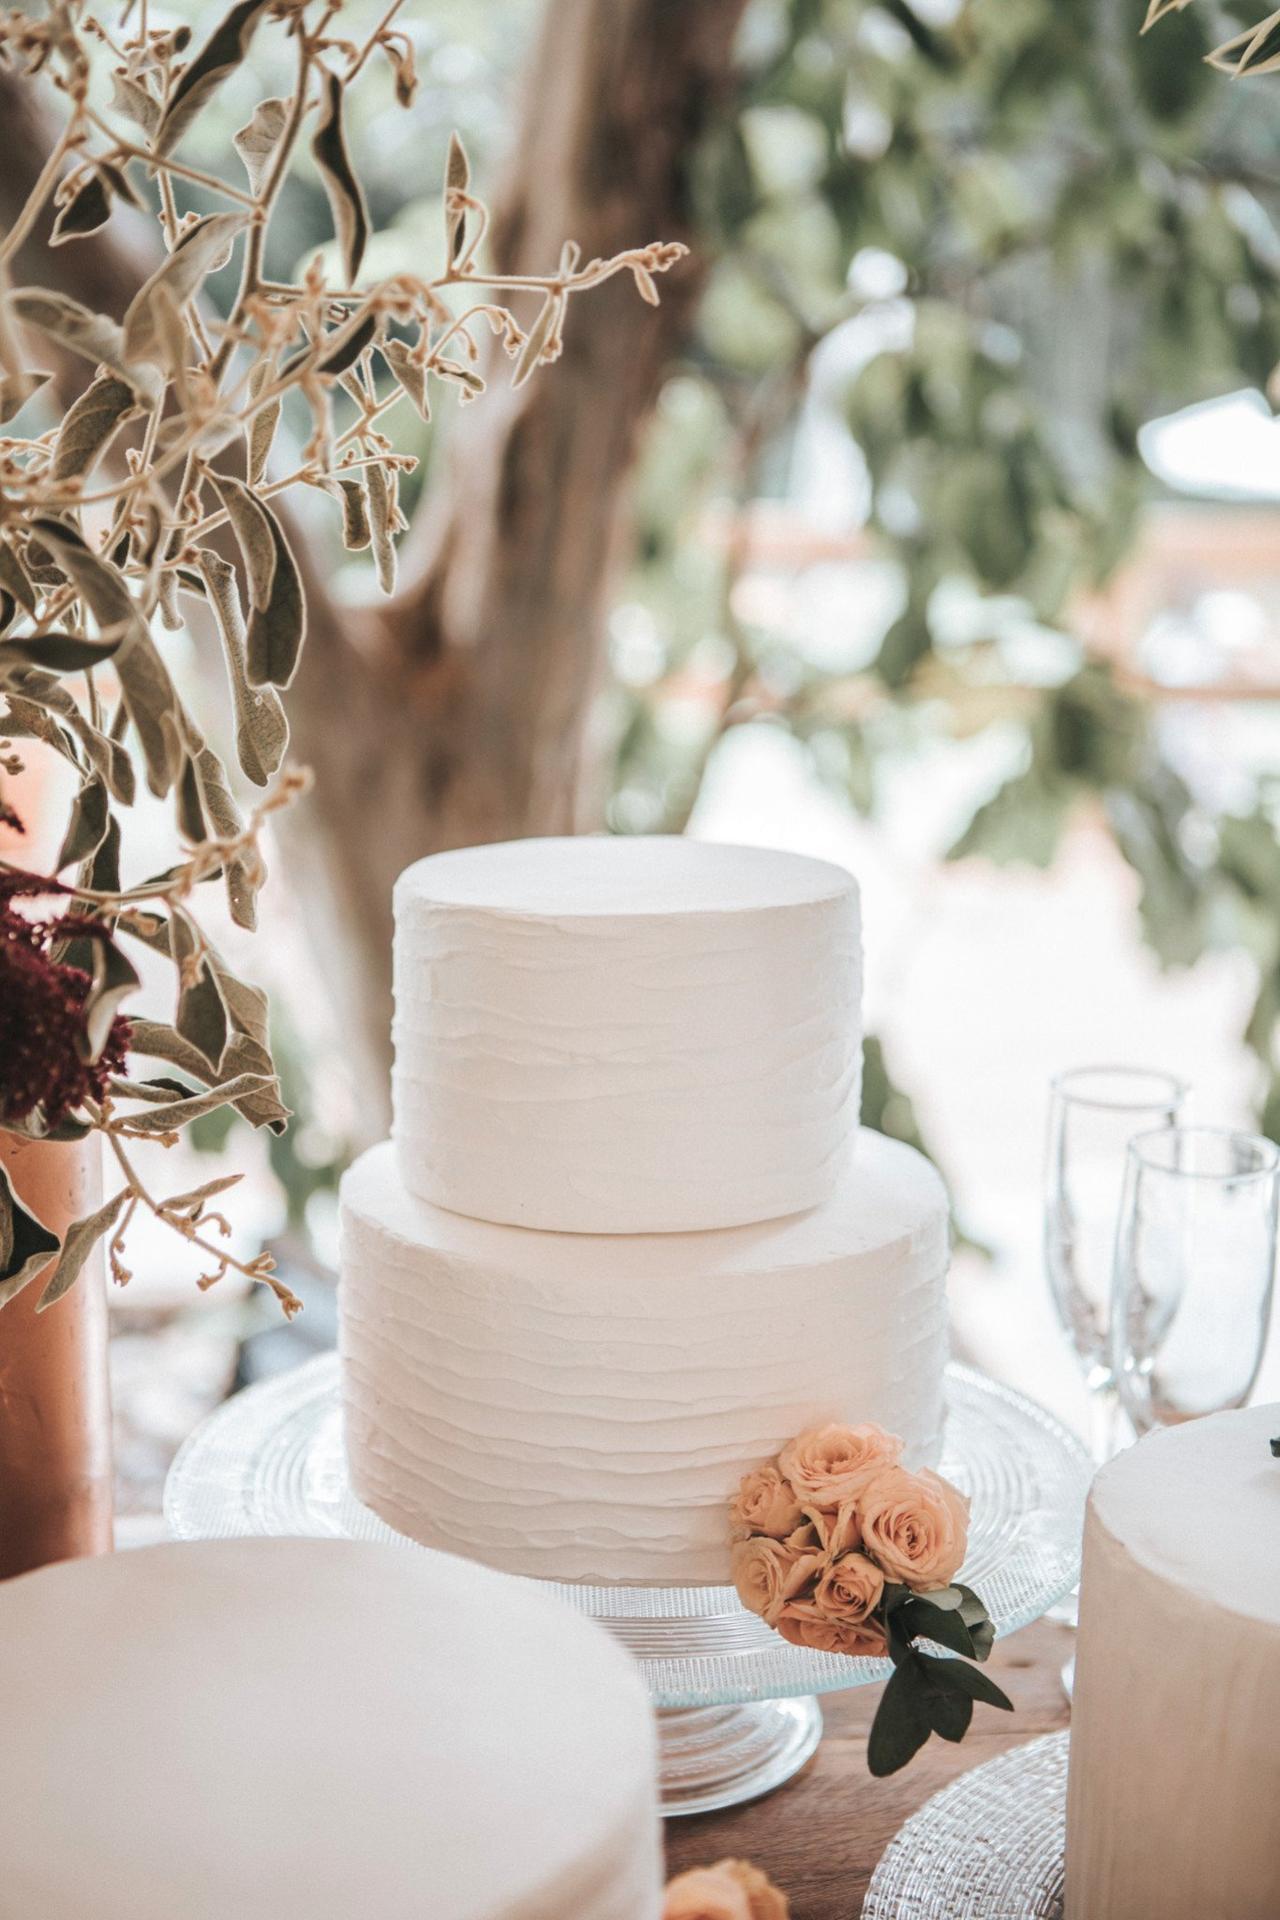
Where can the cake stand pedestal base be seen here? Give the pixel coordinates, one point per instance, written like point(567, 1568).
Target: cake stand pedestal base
point(712, 1757)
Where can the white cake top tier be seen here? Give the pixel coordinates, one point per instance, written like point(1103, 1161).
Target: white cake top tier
point(311, 1730)
point(1198, 1506)
point(625, 1035)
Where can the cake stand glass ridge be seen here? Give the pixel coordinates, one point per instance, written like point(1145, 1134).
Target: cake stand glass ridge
point(737, 1706)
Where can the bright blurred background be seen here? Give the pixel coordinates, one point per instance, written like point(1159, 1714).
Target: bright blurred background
point(952, 553)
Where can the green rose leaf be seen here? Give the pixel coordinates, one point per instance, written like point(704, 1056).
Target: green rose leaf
point(901, 1725)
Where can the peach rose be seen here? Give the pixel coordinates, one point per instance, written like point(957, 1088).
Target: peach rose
point(830, 1466)
point(804, 1625)
point(839, 1531)
point(764, 1503)
point(916, 1527)
point(731, 1890)
point(850, 1590)
point(767, 1573)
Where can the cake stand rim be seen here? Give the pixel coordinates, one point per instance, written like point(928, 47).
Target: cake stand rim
point(317, 1377)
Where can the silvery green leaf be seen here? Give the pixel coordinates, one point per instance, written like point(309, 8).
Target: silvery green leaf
point(160, 1042)
point(224, 815)
point(192, 1202)
point(346, 199)
point(108, 758)
point(114, 978)
point(132, 99)
point(102, 873)
point(91, 335)
point(54, 652)
point(87, 827)
point(80, 1240)
point(179, 1113)
point(355, 513)
point(26, 1245)
point(539, 334)
point(350, 342)
point(220, 55)
point(14, 580)
point(409, 373)
point(190, 807)
point(252, 527)
point(89, 424)
point(202, 249)
point(262, 427)
point(202, 1016)
point(148, 691)
point(457, 176)
point(88, 209)
point(262, 731)
point(381, 505)
point(399, 51)
point(276, 631)
point(256, 143)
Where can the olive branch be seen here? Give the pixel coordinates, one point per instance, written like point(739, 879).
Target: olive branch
point(144, 479)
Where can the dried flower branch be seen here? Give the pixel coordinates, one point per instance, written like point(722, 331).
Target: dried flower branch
point(103, 532)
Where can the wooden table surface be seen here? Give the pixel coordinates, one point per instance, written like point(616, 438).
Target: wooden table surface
point(821, 1835)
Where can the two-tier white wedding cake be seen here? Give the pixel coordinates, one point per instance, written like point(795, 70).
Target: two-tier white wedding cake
point(1174, 1785)
point(316, 1730)
point(628, 1238)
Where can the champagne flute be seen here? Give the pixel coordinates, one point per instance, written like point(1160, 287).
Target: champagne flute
point(1194, 1272)
point(1094, 1113)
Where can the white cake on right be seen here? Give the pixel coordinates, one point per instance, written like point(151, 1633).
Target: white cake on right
point(1173, 1809)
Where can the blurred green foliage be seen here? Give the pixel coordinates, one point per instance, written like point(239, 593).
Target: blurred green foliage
point(993, 238)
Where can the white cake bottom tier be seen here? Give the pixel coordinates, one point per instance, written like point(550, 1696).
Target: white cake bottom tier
point(1175, 1726)
point(316, 1730)
point(582, 1407)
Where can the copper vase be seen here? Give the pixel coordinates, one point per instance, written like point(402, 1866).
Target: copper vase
point(55, 1415)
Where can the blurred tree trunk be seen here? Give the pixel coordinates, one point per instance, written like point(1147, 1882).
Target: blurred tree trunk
point(457, 715)
point(456, 712)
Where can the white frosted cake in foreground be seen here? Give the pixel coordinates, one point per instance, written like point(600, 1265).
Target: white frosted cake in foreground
point(616, 1035)
point(308, 1730)
point(1174, 1793)
point(582, 1407)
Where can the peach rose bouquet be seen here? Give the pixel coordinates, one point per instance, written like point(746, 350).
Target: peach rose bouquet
point(838, 1547)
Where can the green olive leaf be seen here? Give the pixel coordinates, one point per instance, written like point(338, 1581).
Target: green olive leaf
point(262, 731)
point(26, 1245)
point(220, 55)
point(91, 335)
point(381, 508)
point(89, 425)
point(87, 826)
point(257, 142)
point(87, 209)
point(80, 1240)
point(457, 177)
point(202, 249)
point(410, 373)
point(346, 197)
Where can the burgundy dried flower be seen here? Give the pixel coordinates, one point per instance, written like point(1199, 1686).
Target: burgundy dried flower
point(42, 1013)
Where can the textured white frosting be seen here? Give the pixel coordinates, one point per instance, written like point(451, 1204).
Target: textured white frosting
point(1175, 1726)
point(315, 1730)
point(625, 1035)
point(582, 1407)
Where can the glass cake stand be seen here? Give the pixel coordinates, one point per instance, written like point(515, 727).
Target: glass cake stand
point(988, 1847)
point(737, 1706)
